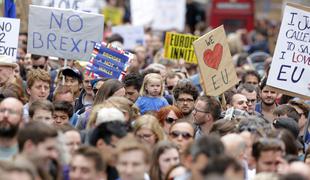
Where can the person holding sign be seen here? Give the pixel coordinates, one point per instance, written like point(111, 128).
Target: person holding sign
point(152, 90)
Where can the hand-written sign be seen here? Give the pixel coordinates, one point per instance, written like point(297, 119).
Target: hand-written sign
point(179, 46)
point(63, 33)
point(9, 30)
point(215, 62)
point(290, 68)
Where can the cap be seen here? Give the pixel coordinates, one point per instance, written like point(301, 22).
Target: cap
point(72, 72)
point(7, 61)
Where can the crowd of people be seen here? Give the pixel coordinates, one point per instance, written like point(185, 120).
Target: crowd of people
point(157, 123)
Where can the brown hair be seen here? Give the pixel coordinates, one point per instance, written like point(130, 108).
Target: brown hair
point(40, 104)
point(36, 132)
point(62, 89)
point(107, 90)
point(267, 144)
point(37, 74)
point(93, 154)
point(130, 143)
point(159, 149)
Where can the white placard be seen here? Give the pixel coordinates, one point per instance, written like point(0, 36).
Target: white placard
point(290, 68)
point(169, 15)
point(142, 12)
point(132, 35)
point(9, 30)
point(63, 33)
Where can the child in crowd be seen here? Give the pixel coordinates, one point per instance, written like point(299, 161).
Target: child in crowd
point(151, 92)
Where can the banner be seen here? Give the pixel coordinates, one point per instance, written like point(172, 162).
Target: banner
point(179, 46)
point(132, 35)
point(142, 12)
point(114, 15)
point(9, 30)
point(108, 61)
point(290, 68)
point(63, 33)
point(215, 63)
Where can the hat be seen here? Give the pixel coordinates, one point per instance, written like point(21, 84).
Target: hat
point(7, 61)
point(109, 115)
point(72, 72)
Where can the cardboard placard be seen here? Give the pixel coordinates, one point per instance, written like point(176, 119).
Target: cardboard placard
point(113, 15)
point(215, 62)
point(180, 46)
point(9, 30)
point(63, 33)
point(132, 35)
point(82, 5)
point(290, 67)
point(142, 12)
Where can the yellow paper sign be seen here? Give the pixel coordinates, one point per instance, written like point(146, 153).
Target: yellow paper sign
point(179, 46)
point(113, 14)
point(215, 62)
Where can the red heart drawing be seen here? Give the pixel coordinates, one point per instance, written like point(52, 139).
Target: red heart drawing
point(213, 58)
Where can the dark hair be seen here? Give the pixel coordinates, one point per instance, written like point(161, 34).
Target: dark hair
point(133, 79)
point(247, 87)
point(287, 123)
point(285, 109)
point(207, 145)
point(107, 90)
point(115, 37)
point(64, 106)
point(106, 130)
point(252, 73)
point(219, 165)
point(288, 140)
point(293, 176)
point(40, 104)
point(93, 154)
point(263, 83)
point(212, 105)
point(266, 144)
point(302, 105)
point(37, 57)
point(187, 87)
point(36, 132)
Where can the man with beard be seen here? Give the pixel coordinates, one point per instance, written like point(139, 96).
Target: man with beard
point(11, 113)
point(268, 101)
point(206, 111)
point(185, 94)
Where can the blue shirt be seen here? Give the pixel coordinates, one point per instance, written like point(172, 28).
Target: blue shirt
point(146, 103)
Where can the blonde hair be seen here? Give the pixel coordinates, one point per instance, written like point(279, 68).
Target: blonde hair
point(124, 105)
point(147, 79)
point(151, 122)
point(93, 115)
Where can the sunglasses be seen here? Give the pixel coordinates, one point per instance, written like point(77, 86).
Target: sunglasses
point(170, 120)
point(36, 67)
point(185, 135)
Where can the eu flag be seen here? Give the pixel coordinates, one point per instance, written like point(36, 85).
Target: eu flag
point(9, 9)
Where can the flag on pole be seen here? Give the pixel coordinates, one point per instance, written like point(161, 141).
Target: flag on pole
point(9, 9)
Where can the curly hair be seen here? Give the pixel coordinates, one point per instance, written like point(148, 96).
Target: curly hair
point(185, 87)
point(38, 74)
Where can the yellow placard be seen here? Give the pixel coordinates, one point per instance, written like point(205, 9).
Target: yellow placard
point(215, 63)
point(113, 14)
point(179, 46)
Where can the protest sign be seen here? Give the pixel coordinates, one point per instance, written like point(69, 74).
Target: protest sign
point(215, 62)
point(159, 14)
point(179, 46)
point(82, 5)
point(169, 15)
point(108, 61)
point(290, 68)
point(132, 35)
point(9, 30)
point(142, 12)
point(114, 15)
point(63, 33)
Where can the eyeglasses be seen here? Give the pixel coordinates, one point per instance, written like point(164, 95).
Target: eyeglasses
point(185, 100)
point(170, 120)
point(185, 135)
point(10, 111)
point(197, 110)
point(38, 66)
